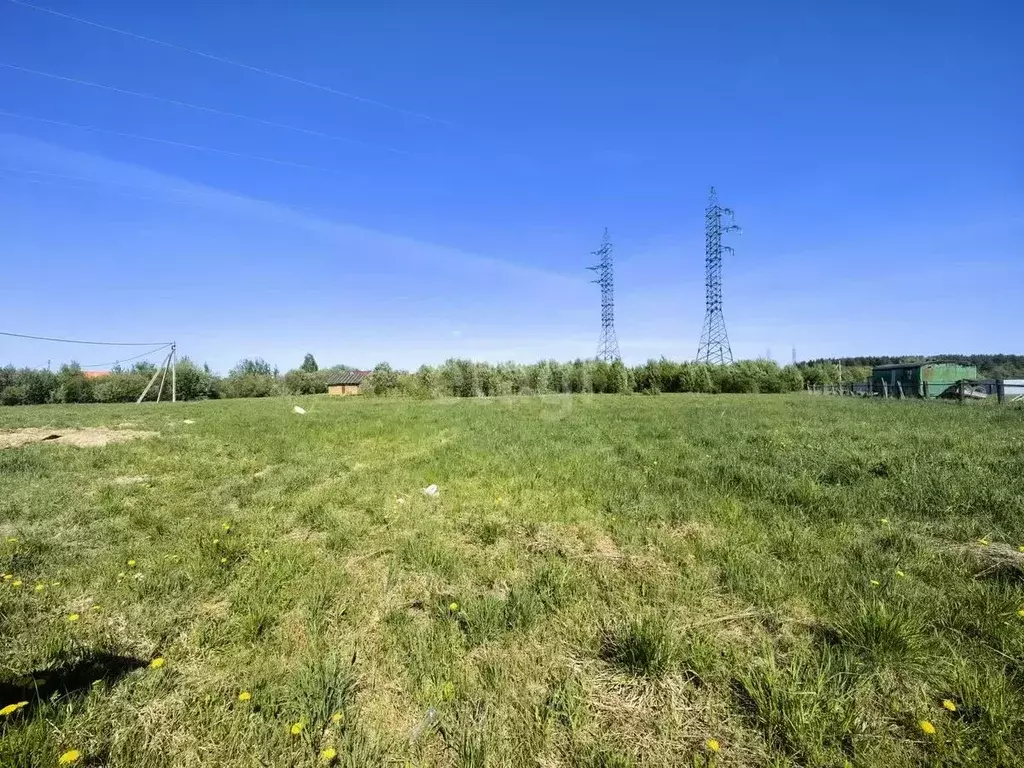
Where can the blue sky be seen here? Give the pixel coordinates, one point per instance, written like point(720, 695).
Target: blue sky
point(446, 206)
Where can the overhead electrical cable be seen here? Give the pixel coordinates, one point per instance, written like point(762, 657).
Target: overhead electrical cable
point(234, 63)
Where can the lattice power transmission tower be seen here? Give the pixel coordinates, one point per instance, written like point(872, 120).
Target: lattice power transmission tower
point(608, 345)
point(714, 340)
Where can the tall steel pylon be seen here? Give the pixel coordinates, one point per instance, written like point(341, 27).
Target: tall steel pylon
point(714, 340)
point(608, 344)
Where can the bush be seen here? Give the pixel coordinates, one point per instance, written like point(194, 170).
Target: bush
point(250, 385)
point(383, 380)
point(301, 382)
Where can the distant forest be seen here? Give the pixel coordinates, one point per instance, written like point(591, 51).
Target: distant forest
point(989, 366)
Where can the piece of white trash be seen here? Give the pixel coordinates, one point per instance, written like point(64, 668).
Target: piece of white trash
point(299, 410)
point(189, 421)
point(430, 490)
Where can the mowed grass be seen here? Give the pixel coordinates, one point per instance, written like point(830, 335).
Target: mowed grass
point(601, 581)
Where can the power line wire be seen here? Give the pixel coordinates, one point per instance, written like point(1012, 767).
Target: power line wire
point(202, 108)
point(171, 142)
point(232, 62)
point(127, 359)
point(95, 343)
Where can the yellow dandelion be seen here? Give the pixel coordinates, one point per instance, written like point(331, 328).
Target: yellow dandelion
point(244, 696)
point(16, 583)
point(884, 521)
point(296, 728)
point(223, 560)
point(226, 526)
point(156, 663)
point(983, 541)
point(713, 745)
point(10, 709)
point(328, 754)
point(337, 717)
point(70, 757)
point(875, 583)
point(901, 574)
point(216, 542)
point(131, 563)
point(97, 608)
point(73, 617)
point(1020, 548)
point(949, 705)
point(927, 727)
point(1021, 613)
point(453, 607)
point(8, 576)
point(40, 587)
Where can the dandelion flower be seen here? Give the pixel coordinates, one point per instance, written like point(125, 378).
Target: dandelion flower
point(296, 728)
point(901, 574)
point(223, 560)
point(983, 541)
point(226, 526)
point(328, 754)
point(875, 583)
point(40, 587)
point(927, 727)
point(70, 757)
point(97, 608)
point(156, 663)
point(337, 717)
point(244, 696)
point(713, 745)
point(16, 583)
point(73, 617)
point(1021, 613)
point(216, 542)
point(131, 563)
point(10, 709)
point(949, 705)
point(453, 607)
point(884, 521)
point(8, 576)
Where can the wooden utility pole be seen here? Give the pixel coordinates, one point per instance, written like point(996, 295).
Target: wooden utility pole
point(174, 374)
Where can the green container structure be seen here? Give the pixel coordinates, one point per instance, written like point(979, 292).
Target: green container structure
point(920, 379)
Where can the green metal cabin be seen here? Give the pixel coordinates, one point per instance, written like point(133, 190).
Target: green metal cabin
point(920, 379)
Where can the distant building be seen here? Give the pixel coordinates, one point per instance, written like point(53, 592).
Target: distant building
point(920, 379)
point(347, 383)
point(95, 374)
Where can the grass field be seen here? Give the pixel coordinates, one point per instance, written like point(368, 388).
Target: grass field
point(601, 581)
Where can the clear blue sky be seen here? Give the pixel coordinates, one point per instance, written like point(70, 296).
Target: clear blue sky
point(872, 151)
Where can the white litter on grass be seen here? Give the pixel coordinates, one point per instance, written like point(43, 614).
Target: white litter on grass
point(188, 421)
point(400, 501)
point(299, 410)
point(430, 490)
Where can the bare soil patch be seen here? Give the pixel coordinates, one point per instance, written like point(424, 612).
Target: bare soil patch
point(86, 437)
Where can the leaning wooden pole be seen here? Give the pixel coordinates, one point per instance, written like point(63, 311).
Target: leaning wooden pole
point(167, 364)
point(174, 374)
point(146, 390)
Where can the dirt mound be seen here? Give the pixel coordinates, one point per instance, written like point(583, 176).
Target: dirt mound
point(86, 437)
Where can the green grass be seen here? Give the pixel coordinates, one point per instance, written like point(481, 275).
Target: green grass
point(798, 578)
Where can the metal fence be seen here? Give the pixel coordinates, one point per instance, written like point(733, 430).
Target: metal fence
point(1002, 390)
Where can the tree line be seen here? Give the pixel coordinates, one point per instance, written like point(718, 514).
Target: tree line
point(254, 377)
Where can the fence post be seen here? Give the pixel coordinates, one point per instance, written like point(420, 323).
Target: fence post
point(885, 389)
point(899, 386)
point(1000, 391)
point(961, 391)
